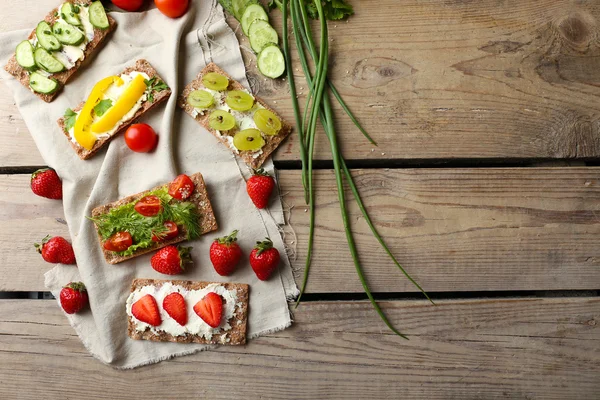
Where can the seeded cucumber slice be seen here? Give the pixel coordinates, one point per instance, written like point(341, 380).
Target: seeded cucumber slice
point(24, 55)
point(41, 84)
point(69, 12)
point(252, 13)
point(239, 6)
point(261, 34)
point(67, 33)
point(45, 61)
point(45, 38)
point(270, 62)
point(98, 16)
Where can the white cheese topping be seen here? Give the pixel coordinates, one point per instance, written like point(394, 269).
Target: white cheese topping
point(195, 324)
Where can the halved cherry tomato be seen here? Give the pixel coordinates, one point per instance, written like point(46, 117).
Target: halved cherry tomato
point(128, 5)
point(182, 187)
point(172, 8)
point(120, 241)
point(172, 232)
point(141, 138)
point(148, 206)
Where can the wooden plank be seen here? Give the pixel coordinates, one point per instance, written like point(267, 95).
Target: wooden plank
point(436, 79)
point(484, 349)
point(453, 230)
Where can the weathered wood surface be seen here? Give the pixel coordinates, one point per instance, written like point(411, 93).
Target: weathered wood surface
point(483, 349)
point(435, 79)
point(454, 230)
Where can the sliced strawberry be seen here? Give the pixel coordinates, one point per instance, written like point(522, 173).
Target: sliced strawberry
point(210, 309)
point(174, 305)
point(146, 310)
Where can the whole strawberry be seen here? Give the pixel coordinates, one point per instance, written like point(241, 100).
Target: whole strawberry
point(170, 260)
point(259, 188)
point(46, 183)
point(56, 250)
point(264, 259)
point(73, 297)
point(225, 253)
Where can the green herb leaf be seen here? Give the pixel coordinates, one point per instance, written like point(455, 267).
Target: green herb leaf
point(154, 85)
point(332, 9)
point(70, 118)
point(102, 107)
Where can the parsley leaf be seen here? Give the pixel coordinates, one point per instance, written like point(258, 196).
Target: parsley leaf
point(102, 107)
point(332, 9)
point(70, 118)
point(154, 85)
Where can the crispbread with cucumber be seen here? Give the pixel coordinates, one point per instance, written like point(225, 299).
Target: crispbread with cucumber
point(59, 45)
point(239, 120)
point(113, 105)
point(138, 224)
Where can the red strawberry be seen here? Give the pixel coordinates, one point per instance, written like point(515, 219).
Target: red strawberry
point(225, 253)
point(46, 183)
point(146, 310)
point(56, 250)
point(259, 188)
point(174, 305)
point(210, 309)
point(264, 259)
point(73, 297)
point(170, 260)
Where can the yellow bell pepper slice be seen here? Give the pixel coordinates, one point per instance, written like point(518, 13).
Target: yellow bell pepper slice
point(82, 132)
point(124, 104)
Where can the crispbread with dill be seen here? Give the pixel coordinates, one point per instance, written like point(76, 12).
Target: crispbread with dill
point(13, 67)
point(236, 335)
point(271, 142)
point(199, 198)
point(157, 98)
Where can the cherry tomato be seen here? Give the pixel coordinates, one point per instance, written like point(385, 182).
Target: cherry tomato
point(141, 138)
point(148, 206)
point(120, 241)
point(172, 8)
point(181, 188)
point(172, 232)
point(128, 5)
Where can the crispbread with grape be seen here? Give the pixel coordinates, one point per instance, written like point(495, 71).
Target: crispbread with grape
point(236, 335)
point(271, 142)
point(158, 97)
point(208, 222)
point(13, 67)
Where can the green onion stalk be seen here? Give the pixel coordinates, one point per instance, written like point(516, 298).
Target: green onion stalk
point(318, 107)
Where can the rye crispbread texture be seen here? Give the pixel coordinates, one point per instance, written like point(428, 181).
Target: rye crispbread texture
point(208, 222)
point(236, 335)
point(159, 97)
point(271, 142)
point(13, 67)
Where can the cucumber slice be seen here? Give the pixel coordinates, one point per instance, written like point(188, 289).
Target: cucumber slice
point(45, 38)
point(41, 84)
point(98, 16)
point(270, 62)
point(67, 33)
point(45, 61)
point(238, 7)
point(69, 12)
point(24, 55)
point(261, 34)
point(252, 13)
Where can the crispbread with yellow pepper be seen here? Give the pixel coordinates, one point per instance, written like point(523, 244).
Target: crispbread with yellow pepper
point(157, 98)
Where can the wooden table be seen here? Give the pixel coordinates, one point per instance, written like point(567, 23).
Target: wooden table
point(484, 184)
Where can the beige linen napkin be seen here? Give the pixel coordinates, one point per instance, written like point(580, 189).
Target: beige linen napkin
point(175, 49)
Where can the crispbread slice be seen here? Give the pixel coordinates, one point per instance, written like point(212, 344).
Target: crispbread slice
point(238, 323)
point(13, 67)
point(272, 142)
point(159, 97)
point(208, 222)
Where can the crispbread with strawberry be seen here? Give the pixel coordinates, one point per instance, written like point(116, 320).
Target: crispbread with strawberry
point(217, 313)
point(125, 233)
